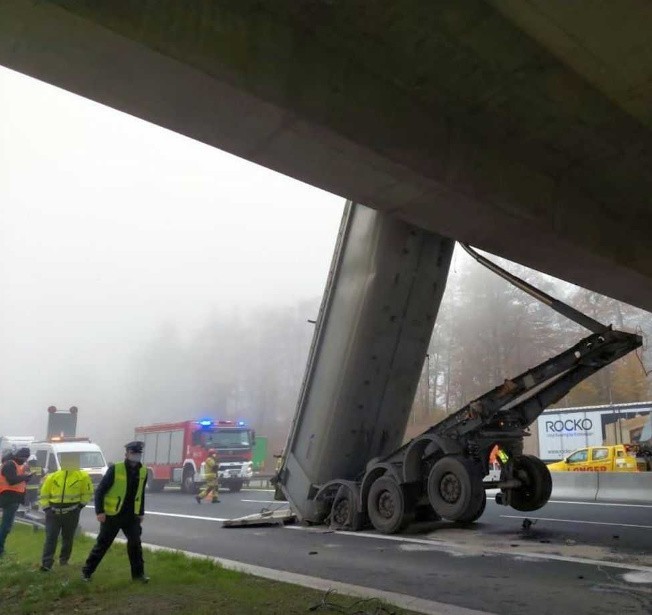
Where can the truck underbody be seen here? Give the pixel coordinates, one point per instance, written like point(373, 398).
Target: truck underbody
point(344, 461)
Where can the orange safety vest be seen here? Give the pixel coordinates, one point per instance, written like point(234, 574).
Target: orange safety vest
point(18, 487)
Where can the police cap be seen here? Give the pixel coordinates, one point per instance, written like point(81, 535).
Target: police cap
point(135, 447)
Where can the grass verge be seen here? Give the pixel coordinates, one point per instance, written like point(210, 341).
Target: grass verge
point(179, 585)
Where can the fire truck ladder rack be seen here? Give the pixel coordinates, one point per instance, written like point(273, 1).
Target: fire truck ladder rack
point(439, 474)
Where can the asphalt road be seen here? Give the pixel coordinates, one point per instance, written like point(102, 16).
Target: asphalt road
point(575, 558)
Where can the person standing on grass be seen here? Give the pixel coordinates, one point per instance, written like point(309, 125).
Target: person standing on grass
point(63, 495)
point(13, 479)
point(120, 505)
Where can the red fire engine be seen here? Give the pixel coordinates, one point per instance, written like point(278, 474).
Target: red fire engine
point(175, 453)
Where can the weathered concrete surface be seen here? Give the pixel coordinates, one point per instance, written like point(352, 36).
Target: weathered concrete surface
point(524, 128)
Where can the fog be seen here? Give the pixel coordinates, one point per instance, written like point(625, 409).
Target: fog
point(146, 277)
point(115, 233)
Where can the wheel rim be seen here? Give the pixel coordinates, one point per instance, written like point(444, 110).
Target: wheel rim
point(386, 506)
point(450, 488)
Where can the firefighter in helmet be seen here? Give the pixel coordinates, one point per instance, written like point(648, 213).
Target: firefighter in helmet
point(211, 487)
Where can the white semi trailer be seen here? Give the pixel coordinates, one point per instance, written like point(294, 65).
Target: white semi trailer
point(344, 461)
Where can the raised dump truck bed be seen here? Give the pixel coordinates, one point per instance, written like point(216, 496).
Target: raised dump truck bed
point(344, 460)
point(379, 307)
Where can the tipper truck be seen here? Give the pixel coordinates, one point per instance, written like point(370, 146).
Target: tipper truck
point(344, 461)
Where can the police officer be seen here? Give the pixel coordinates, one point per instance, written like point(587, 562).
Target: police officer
point(120, 505)
point(63, 494)
point(211, 466)
point(13, 478)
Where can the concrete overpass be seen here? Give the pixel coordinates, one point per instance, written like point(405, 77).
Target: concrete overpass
point(521, 127)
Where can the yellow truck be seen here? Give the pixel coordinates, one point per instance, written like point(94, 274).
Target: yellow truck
point(615, 458)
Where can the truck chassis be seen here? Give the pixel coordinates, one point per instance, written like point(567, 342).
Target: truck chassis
point(439, 474)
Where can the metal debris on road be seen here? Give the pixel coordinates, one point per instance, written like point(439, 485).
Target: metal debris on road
point(266, 517)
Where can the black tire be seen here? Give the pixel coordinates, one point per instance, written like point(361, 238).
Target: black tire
point(537, 484)
point(455, 488)
point(345, 513)
point(188, 484)
point(235, 486)
point(388, 507)
point(474, 515)
point(155, 486)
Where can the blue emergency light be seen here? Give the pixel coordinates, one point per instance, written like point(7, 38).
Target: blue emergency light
point(241, 423)
point(205, 422)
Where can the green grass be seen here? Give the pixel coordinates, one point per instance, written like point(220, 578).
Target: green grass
point(179, 585)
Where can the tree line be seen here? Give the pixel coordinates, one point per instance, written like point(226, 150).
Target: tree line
point(249, 366)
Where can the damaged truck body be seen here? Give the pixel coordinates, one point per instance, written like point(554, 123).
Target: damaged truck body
point(344, 460)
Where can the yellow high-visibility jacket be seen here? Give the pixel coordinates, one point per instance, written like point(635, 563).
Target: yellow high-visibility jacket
point(115, 496)
point(210, 468)
point(65, 488)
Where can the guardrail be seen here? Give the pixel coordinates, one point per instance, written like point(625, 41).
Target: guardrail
point(35, 519)
point(631, 487)
point(261, 481)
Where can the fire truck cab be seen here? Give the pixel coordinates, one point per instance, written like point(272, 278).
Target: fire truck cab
point(175, 453)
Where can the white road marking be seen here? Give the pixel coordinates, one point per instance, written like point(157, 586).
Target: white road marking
point(491, 492)
point(453, 546)
point(601, 504)
point(162, 514)
point(149, 513)
point(645, 527)
point(638, 577)
point(605, 504)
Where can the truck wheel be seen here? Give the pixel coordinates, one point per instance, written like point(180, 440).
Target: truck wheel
point(188, 482)
point(155, 486)
point(537, 484)
point(235, 486)
point(388, 507)
point(474, 515)
point(455, 488)
point(344, 511)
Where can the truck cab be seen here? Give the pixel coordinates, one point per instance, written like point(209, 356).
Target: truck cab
point(175, 453)
point(614, 458)
point(234, 444)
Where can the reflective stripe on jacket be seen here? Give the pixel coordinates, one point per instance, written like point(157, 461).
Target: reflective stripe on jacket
point(65, 488)
point(18, 487)
point(115, 496)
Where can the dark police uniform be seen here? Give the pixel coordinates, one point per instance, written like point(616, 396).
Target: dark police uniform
point(121, 497)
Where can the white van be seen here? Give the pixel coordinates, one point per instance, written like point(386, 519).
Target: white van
point(13, 443)
point(91, 458)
